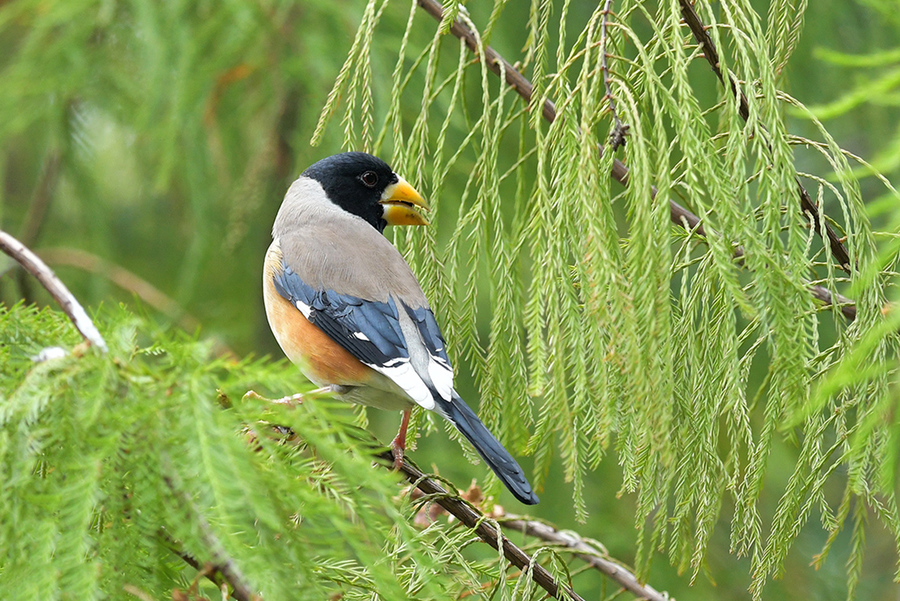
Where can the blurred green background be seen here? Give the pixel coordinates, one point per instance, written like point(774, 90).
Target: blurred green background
point(145, 148)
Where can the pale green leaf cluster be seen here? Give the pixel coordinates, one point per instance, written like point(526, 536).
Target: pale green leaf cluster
point(591, 323)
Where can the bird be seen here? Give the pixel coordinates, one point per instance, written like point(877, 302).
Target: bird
point(346, 308)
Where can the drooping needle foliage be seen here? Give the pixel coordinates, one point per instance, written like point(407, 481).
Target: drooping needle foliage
point(602, 329)
point(742, 397)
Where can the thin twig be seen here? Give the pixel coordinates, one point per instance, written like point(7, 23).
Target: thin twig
point(69, 304)
point(220, 561)
point(846, 305)
point(589, 554)
point(37, 210)
point(474, 519)
point(210, 572)
point(130, 281)
point(679, 215)
point(620, 130)
point(812, 212)
point(136, 592)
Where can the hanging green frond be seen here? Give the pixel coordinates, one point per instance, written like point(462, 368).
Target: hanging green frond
point(600, 322)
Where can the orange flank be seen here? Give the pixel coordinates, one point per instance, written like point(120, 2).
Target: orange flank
point(319, 357)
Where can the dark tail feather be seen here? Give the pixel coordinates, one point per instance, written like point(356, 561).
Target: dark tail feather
point(490, 449)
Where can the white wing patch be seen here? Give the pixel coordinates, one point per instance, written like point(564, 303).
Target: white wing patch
point(441, 375)
point(303, 307)
point(403, 375)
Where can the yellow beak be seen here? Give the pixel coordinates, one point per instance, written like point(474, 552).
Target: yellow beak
point(400, 201)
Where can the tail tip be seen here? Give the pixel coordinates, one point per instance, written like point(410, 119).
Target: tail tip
point(528, 499)
point(521, 490)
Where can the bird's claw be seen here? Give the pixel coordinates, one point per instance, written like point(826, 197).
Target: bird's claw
point(291, 400)
point(397, 450)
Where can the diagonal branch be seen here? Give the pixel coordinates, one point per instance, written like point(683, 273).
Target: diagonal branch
point(589, 555)
point(474, 519)
point(678, 214)
point(121, 277)
point(846, 305)
point(812, 212)
point(209, 571)
point(220, 562)
point(40, 201)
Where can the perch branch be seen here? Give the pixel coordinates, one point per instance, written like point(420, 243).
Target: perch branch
point(812, 212)
point(472, 518)
point(69, 304)
point(679, 215)
point(588, 554)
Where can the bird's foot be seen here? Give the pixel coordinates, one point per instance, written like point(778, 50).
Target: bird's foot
point(398, 445)
point(397, 449)
point(290, 400)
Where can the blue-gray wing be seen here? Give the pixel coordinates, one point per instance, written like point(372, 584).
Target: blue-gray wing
point(371, 332)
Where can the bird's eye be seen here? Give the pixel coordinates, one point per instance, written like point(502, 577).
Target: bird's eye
point(369, 178)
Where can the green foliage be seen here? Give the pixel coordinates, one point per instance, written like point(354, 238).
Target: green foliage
point(871, 80)
point(110, 462)
point(623, 329)
point(175, 127)
point(160, 136)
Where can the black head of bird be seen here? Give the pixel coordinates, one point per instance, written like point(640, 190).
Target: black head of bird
point(366, 186)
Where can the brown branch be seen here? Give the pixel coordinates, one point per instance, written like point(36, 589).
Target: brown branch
point(813, 213)
point(589, 554)
point(460, 509)
point(127, 280)
point(679, 215)
point(474, 519)
point(67, 301)
point(211, 572)
point(846, 305)
point(37, 210)
point(470, 517)
point(220, 563)
point(40, 201)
